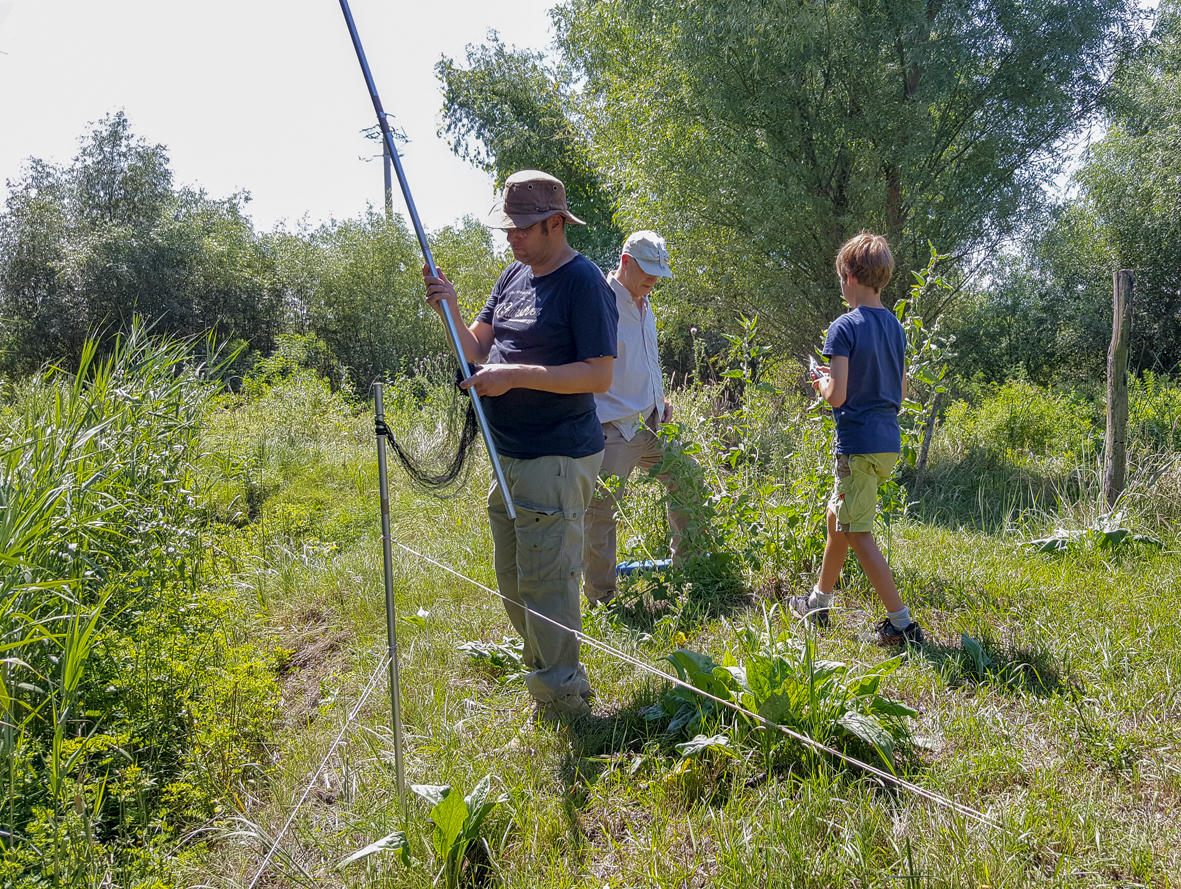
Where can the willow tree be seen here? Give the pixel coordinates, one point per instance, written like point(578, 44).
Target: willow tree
point(758, 134)
point(766, 133)
point(511, 109)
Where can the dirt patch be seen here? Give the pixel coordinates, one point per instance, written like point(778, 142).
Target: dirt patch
point(317, 650)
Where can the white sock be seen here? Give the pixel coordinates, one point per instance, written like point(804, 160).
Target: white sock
point(899, 619)
point(819, 599)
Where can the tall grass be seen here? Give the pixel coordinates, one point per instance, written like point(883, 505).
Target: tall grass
point(108, 632)
point(1018, 452)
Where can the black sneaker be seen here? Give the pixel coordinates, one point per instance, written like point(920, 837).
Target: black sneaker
point(815, 616)
point(885, 633)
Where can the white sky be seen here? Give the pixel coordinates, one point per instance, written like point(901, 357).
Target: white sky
point(258, 95)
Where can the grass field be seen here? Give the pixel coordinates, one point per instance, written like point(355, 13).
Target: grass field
point(1060, 724)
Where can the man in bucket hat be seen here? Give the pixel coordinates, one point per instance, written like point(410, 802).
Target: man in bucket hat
point(546, 340)
point(631, 410)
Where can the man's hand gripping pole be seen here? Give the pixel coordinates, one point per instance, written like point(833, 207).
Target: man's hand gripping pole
point(420, 233)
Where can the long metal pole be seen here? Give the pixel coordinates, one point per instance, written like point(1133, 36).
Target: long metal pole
point(389, 181)
point(452, 332)
point(390, 610)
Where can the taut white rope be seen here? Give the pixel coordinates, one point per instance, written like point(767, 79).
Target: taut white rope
point(303, 798)
point(930, 795)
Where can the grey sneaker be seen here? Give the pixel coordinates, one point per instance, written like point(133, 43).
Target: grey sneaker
point(885, 633)
point(816, 616)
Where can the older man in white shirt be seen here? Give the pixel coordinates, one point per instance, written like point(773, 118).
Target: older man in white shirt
point(631, 409)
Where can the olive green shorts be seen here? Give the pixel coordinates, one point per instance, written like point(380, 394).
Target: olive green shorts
point(854, 499)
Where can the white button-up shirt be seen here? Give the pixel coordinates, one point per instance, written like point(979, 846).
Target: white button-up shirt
point(637, 387)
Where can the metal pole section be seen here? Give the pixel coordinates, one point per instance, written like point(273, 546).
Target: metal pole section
point(389, 181)
point(452, 333)
point(390, 613)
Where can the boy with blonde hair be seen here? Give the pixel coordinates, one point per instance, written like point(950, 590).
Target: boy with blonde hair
point(865, 382)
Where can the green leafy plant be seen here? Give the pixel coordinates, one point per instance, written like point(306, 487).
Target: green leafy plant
point(746, 359)
point(980, 661)
point(1108, 533)
point(395, 842)
point(781, 679)
point(739, 517)
point(504, 659)
point(457, 823)
point(123, 715)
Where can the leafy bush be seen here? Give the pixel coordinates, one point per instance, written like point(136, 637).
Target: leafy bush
point(1154, 408)
point(781, 679)
point(116, 678)
point(748, 468)
point(1019, 421)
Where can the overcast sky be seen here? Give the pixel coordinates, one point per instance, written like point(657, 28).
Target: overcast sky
point(258, 95)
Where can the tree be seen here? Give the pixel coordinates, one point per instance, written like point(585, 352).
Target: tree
point(512, 110)
point(781, 128)
point(357, 285)
point(87, 247)
point(1046, 314)
point(1131, 189)
point(757, 135)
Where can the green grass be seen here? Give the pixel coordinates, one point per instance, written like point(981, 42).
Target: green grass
point(1069, 738)
point(125, 712)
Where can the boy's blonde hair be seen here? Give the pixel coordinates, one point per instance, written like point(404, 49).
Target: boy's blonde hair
point(867, 258)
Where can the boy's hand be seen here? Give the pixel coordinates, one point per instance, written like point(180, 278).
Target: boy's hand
point(833, 384)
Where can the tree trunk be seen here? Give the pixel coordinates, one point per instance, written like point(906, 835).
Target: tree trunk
point(928, 434)
point(1115, 442)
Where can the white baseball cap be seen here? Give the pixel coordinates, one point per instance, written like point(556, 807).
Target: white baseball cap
point(648, 249)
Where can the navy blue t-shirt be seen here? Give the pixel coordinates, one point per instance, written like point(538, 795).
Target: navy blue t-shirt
point(875, 344)
point(566, 316)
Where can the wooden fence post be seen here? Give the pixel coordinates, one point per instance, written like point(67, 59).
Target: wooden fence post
point(1115, 442)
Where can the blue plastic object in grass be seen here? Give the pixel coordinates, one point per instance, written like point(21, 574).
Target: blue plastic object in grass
point(625, 568)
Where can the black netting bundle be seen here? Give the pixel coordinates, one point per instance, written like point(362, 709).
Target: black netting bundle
point(426, 471)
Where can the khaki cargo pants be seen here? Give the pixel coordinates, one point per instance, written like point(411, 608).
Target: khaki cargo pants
point(538, 561)
point(620, 458)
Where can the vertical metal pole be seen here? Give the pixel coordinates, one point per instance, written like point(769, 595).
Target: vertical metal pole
point(389, 180)
point(387, 552)
point(420, 233)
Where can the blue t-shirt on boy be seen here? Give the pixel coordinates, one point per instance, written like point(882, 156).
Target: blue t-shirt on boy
point(875, 344)
point(566, 316)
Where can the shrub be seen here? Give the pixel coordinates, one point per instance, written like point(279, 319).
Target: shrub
point(780, 678)
point(1019, 421)
point(1154, 408)
point(113, 640)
